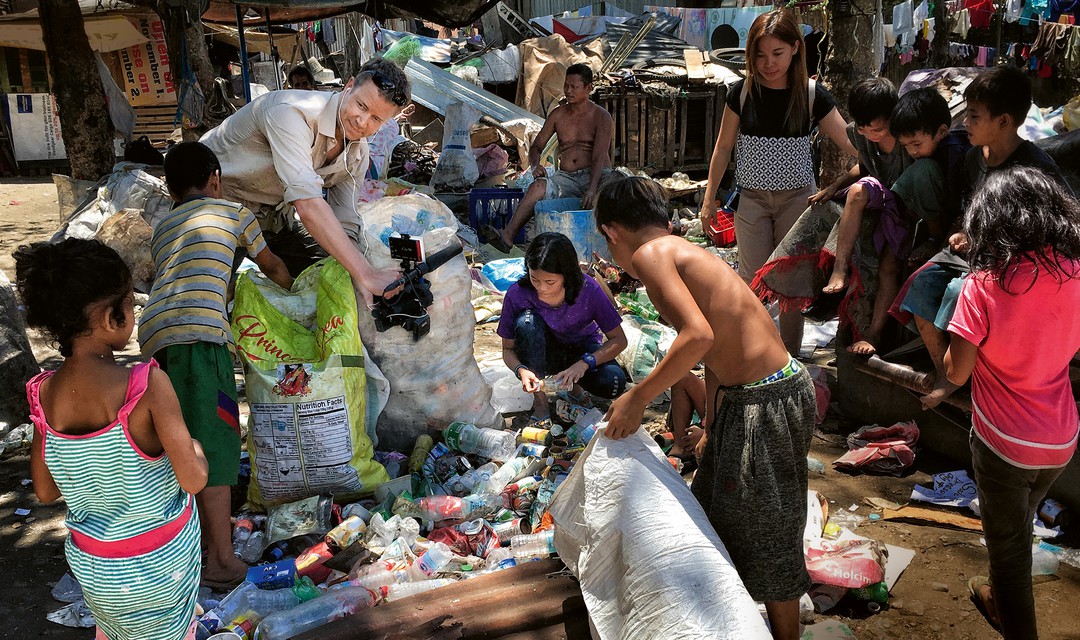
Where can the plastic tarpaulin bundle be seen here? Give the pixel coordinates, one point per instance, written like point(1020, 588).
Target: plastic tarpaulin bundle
point(127, 187)
point(649, 562)
point(433, 381)
point(306, 386)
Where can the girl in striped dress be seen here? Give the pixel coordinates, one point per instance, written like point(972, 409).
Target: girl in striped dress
point(113, 443)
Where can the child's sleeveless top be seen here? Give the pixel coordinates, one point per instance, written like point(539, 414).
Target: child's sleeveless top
point(134, 541)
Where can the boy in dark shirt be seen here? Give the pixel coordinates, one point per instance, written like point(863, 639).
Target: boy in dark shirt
point(920, 197)
point(997, 105)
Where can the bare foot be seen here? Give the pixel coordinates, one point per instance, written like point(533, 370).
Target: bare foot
point(225, 570)
point(863, 348)
point(986, 595)
point(688, 442)
point(837, 283)
point(942, 389)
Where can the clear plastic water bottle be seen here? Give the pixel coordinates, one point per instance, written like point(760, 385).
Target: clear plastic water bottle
point(510, 470)
point(374, 580)
point(406, 589)
point(230, 605)
point(585, 428)
point(315, 613)
point(488, 443)
point(473, 478)
point(533, 546)
point(430, 562)
point(356, 509)
point(241, 532)
point(253, 547)
point(551, 385)
point(263, 602)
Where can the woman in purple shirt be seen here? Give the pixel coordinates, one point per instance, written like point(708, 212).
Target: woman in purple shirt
point(555, 321)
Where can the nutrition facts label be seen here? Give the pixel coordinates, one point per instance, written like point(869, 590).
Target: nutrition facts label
point(303, 445)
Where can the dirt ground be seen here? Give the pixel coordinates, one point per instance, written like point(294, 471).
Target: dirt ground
point(929, 602)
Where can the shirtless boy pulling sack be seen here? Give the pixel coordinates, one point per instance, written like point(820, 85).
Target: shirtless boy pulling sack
point(752, 479)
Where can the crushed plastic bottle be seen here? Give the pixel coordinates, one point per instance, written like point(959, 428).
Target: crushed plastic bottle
point(315, 613)
point(815, 465)
point(430, 562)
point(533, 546)
point(406, 589)
point(551, 384)
point(488, 443)
point(511, 469)
point(440, 508)
point(585, 428)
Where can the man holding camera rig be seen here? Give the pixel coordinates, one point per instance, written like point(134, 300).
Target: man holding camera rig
point(285, 147)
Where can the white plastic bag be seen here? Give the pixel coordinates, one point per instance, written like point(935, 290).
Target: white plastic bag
point(434, 381)
point(649, 562)
point(127, 187)
point(457, 168)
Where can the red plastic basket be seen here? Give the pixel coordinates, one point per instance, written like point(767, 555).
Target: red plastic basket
point(721, 229)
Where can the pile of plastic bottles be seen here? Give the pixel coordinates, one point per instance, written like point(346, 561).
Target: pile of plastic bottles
point(476, 503)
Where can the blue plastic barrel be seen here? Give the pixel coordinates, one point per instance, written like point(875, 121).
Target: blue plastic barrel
point(565, 216)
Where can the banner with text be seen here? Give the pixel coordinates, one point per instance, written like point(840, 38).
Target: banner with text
point(148, 77)
point(35, 127)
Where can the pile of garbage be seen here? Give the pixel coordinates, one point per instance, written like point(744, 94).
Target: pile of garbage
point(473, 504)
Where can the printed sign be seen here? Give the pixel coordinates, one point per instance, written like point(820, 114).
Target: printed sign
point(148, 76)
point(35, 127)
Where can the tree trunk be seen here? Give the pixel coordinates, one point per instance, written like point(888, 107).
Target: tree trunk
point(845, 64)
point(85, 125)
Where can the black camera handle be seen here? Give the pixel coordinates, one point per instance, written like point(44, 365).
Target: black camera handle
point(440, 258)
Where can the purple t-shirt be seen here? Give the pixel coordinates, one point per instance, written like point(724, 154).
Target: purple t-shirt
point(589, 318)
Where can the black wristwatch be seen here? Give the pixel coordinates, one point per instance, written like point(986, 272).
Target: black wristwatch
point(517, 370)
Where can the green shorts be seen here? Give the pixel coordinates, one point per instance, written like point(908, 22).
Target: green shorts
point(202, 374)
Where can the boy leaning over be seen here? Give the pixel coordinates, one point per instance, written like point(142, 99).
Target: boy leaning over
point(752, 480)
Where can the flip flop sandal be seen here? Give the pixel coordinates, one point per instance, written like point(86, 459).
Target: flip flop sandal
point(975, 586)
point(490, 235)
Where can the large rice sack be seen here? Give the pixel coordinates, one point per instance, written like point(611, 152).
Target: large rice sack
point(433, 381)
point(306, 387)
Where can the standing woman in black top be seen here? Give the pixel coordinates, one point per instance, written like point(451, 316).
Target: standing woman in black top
point(767, 120)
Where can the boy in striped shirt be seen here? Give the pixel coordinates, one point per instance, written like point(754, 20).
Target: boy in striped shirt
point(185, 327)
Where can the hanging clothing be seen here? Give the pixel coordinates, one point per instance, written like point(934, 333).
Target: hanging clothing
point(962, 24)
point(1067, 7)
point(1013, 9)
point(981, 12)
point(903, 22)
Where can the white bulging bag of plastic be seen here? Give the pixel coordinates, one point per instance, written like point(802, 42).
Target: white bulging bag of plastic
point(433, 381)
point(649, 562)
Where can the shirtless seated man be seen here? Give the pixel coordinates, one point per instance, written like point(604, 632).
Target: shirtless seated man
point(584, 129)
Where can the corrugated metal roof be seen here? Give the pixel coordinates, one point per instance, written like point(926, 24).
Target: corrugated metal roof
point(659, 43)
point(437, 89)
point(554, 7)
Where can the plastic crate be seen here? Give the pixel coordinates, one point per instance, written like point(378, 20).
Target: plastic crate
point(494, 207)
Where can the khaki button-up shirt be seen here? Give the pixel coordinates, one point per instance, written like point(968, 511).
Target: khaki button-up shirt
point(273, 151)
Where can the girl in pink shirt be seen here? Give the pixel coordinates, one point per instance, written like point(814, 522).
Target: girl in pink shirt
point(1014, 333)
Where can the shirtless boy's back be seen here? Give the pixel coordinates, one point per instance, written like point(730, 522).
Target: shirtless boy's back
point(752, 479)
